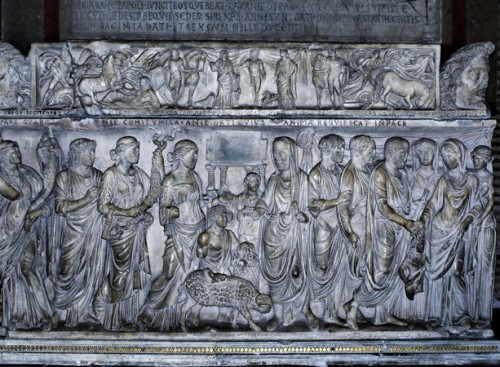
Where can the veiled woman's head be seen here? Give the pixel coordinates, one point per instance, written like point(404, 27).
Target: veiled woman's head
point(284, 153)
point(127, 150)
point(186, 153)
point(453, 154)
point(81, 152)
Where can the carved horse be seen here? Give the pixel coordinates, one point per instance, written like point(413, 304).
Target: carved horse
point(88, 87)
point(414, 92)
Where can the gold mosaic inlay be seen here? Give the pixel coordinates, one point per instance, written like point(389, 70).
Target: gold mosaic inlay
point(250, 350)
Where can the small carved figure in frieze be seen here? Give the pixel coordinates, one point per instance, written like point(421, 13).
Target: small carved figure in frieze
point(354, 183)
point(387, 234)
point(330, 73)
point(284, 240)
point(228, 82)
point(194, 64)
point(25, 297)
point(481, 259)
point(80, 264)
point(216, 244)
point(183, 220)
point(286, 81)
point(464, 78)
point(123, 191)
point(56, 79)
point(448, 217)
point(174, 72)
point(329, 268)
point(15, 79)
point(206, 288)
point(257, 73)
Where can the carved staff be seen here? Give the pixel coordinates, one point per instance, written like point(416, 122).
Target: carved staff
point(157, 173)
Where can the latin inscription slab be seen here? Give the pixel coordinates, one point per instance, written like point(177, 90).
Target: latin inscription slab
point(388, 21)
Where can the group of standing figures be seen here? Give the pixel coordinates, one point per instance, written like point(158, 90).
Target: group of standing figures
point(372, 240)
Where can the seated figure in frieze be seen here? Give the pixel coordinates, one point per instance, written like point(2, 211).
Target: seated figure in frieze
point(354, 183)
point(25, 294)
point(387, 234)
point(448, 216)
point(330, 278)
point(124, 188)
point(481, 256)
point(183, 220)
point(285, 237)
point(81, 262)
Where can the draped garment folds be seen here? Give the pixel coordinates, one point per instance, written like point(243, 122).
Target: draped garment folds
point(118, 298)
point(445, 286)
point(25, 298)
point(335, 285)
point(82, 264)
point(284, 241)
point(482, 259)
point(286, 70)
point(355, 182)
point(386, 242)
point(226, 80)
point(162, 308)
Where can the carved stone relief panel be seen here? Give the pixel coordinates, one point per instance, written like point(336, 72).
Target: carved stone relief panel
point(105, 77)
point(246, 224)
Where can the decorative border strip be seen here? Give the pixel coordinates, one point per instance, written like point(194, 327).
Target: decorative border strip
point(250, 350)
